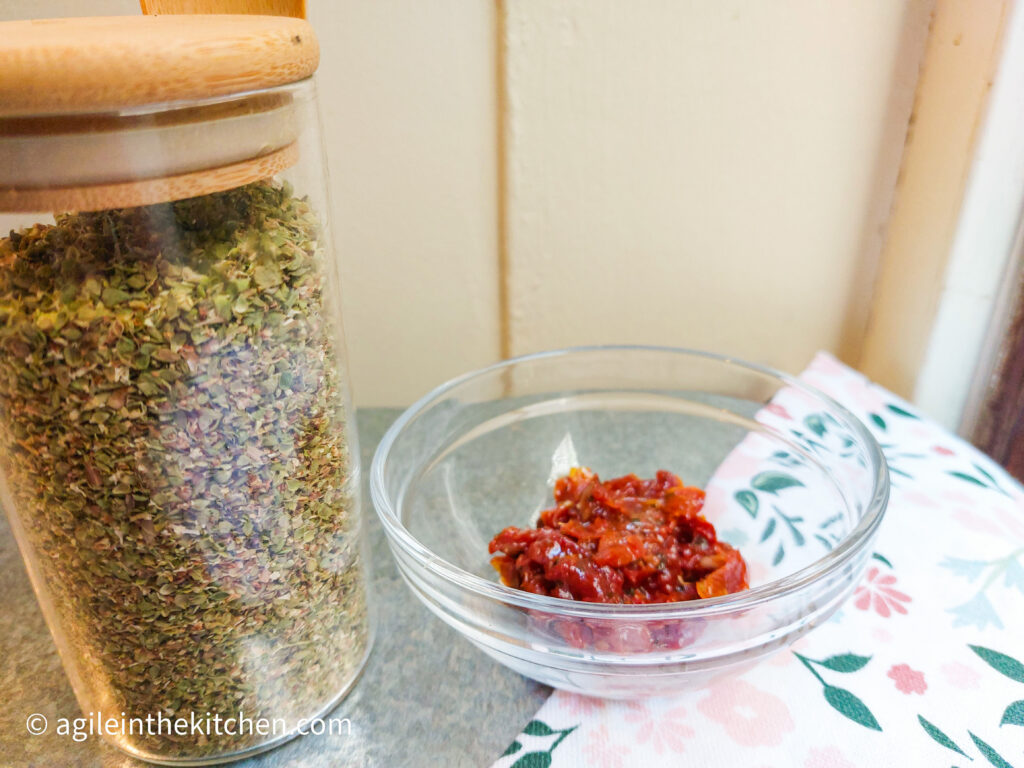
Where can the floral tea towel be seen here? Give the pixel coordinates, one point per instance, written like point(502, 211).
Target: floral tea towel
point(923, 666)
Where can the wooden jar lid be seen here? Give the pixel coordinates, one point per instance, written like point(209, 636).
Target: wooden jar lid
point(111, 112)
point(55, 66)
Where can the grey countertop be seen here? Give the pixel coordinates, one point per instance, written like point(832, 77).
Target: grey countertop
point(426, 697)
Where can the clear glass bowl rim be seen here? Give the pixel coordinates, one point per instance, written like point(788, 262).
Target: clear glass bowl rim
point(847, 550)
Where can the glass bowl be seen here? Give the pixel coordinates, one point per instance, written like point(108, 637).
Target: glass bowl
point(793, 480)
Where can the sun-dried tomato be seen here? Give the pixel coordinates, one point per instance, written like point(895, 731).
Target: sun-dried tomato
point(626, 540)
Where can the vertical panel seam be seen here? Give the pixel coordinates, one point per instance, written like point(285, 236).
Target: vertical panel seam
point(501, 106)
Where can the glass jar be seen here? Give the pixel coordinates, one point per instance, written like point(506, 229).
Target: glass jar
point(178, 460)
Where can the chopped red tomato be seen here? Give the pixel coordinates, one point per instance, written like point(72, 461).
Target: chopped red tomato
point(626, 540)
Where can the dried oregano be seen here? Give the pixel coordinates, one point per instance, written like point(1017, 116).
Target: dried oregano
point(172, 434)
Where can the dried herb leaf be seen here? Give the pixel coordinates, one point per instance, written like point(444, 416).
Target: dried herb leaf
point(173, 434)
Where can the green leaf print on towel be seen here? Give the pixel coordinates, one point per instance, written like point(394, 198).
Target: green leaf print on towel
point(986, 749)
point(986, 480)
point(1000, 662)
point(537, 758)
point(936, 733)
point(1014, 714)
point(843, 701)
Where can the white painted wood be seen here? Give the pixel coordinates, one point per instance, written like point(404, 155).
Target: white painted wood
point(982, 258)
point(407, 91)
point(14, 10)
point(959, 64)
point(703, 174)
point(680, 172)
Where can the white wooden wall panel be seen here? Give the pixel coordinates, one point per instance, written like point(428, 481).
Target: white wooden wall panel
point(11, 10)
point(982, 256)
point(918, 281)
point(407, 91)
point(512, 175)
point(708, 174)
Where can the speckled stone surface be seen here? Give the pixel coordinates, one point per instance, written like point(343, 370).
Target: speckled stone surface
point(426, 697)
